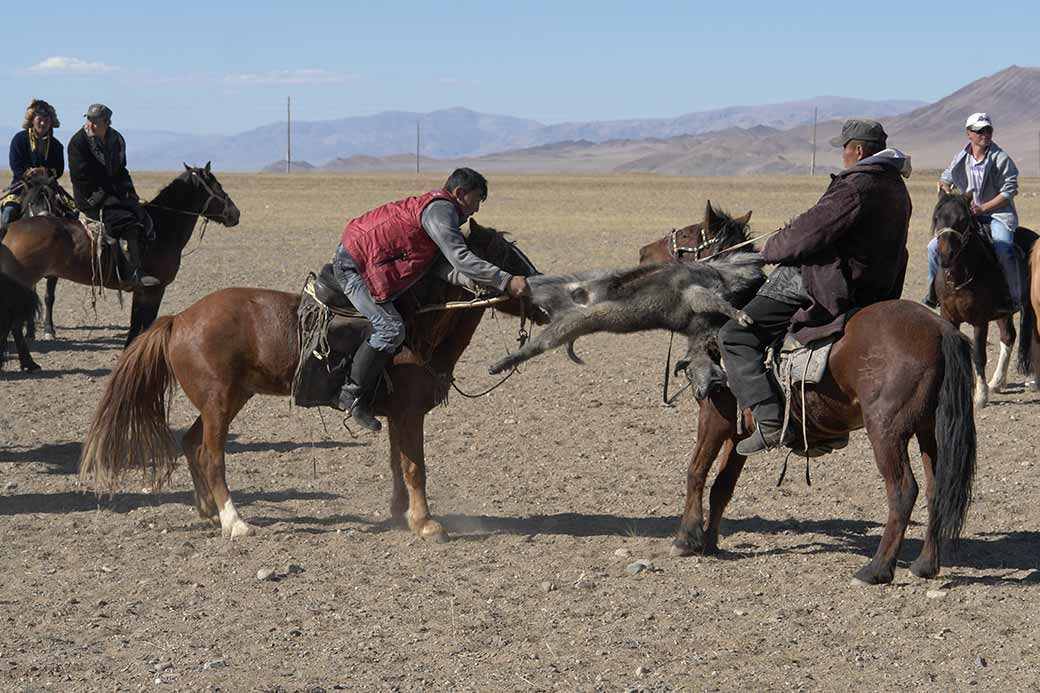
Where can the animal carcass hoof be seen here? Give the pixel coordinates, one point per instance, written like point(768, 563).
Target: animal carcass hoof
point(744, 319)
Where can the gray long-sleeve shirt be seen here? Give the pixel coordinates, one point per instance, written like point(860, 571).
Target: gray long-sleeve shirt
point(441, 221)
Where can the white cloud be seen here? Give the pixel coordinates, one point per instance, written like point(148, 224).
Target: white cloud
point(72, 66)
point(303, 76)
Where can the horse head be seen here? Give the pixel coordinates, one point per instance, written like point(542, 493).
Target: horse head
point(715, 233)
point(218, 205)
point(954, 226)
point(494, 247)
point(39, 194)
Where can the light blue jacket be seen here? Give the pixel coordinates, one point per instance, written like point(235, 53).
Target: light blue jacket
point(1000, 177)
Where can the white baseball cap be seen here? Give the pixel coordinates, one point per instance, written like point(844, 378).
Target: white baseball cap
point(977, 121)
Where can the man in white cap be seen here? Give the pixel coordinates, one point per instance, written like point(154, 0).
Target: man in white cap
point(986, 170)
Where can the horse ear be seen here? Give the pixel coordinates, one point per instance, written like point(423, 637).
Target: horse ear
point(207, 166)
point(743, 221)
point(709, 216)
point(969, 197)
point(186, 167)
point(473, 227)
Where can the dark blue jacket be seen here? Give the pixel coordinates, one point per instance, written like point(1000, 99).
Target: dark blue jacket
point(22, 157)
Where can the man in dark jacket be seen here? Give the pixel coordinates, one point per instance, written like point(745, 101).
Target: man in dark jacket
point(846, 252)
point(34, 149)
point(103, 189)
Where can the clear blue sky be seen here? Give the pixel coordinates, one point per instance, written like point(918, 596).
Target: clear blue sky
point(224, 67)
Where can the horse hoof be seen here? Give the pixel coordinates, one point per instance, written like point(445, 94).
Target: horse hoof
point(50, 336)
point(856, 582)
point(434, 533)
point(680, 550)
point(923, 569)
point(30, 367)
point(241, 529)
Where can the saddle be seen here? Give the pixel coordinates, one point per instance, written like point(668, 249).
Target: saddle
point(330, 330)
point(109, 254)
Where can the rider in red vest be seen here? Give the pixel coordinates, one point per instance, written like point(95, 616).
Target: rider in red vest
point(385, 251)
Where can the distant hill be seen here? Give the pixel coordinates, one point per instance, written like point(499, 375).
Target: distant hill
point(932, 133)
point(460, 132)
point(279, 167)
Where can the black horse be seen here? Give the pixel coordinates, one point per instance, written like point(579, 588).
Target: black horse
point(55, 247)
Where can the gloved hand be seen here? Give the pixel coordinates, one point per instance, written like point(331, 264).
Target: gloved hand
point(96, 198)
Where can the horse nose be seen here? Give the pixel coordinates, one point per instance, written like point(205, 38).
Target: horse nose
point(233, 215)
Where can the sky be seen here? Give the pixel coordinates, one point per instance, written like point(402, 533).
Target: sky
point(225, 67)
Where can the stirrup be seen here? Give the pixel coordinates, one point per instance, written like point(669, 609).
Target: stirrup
point(359, 413)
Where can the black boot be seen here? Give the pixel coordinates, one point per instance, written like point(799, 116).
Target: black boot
point(358, 392)
point(133, 261)
point(9, 214)
point(768, 424)
point(930, 299)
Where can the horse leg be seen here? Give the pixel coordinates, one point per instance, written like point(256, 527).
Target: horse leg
point(25, 359)
point(399, 495)
point(927, 564)
point(216, 417)
point(1007, 343)
point(48, 316)
point(30, 326)
point(893, 461)
point(406, 432)
point(203, 495)
point(143, 309)
point(715, 426)
point(979, 357)
point(722, 492)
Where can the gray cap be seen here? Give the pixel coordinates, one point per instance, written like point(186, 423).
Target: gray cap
point(98, 110)
point(860, 129)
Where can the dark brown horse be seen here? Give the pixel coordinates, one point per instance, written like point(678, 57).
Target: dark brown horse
point(236, 343)
point(900, 372)
point(971, 287)
point(47, 246)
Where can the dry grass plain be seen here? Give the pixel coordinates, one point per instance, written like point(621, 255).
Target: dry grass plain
point(540, 484)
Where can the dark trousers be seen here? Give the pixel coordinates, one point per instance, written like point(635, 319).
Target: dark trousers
point(743, 348)
point(122, 216)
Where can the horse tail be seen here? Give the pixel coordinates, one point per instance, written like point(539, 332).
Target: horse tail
point(130, 428)
point(1028, 339)
point(955, 435)
point(18, 305)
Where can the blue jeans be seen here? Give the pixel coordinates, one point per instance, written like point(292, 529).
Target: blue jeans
point(387, 324)
point(1007, 255)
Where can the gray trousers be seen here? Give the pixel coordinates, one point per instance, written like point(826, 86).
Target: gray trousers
point(387, 324)
point(743, 348)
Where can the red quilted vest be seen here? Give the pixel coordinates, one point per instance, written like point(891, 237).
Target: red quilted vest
point(389, 245)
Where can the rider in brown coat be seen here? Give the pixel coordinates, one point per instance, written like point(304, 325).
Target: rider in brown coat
point(846, 252)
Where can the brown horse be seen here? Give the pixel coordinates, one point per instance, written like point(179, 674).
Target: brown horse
point(971, 287)
point(236, 343)
point(900, 372)
point(47, 246)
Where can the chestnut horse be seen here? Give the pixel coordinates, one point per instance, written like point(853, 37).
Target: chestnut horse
point(55, 247)
point(899, 371)
point(236, 343)
point(971, 286)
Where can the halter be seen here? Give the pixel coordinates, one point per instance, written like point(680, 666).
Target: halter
point(678, 250)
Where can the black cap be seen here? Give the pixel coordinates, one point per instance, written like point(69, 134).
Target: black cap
point(98, 111)
point(860, 129)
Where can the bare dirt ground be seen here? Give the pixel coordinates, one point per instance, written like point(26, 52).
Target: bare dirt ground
point(550, 486)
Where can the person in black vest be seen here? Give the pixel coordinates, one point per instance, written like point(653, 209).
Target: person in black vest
point(103, 189)
point(34, 150)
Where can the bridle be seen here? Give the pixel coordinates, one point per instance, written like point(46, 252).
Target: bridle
point(225, 199)
point(974, 229)
point(677, 251)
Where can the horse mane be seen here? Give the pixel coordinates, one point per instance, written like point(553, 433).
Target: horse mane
point(170, 193)
point(732, 231)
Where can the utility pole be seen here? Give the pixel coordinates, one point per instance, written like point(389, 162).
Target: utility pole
point(288, 134)
point(812, 160)
point(417, 147)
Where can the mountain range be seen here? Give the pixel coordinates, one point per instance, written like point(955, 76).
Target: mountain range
point(741, 140)
point(462, 133)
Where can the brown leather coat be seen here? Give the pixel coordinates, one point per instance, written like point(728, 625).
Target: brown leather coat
point(850, 246)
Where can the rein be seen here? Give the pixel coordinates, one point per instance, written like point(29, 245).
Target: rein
point(225, 216)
